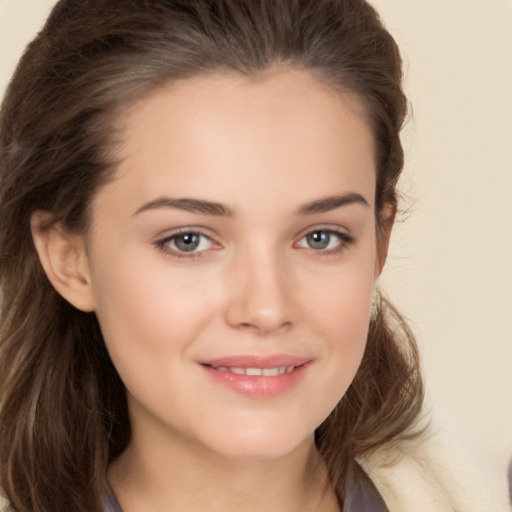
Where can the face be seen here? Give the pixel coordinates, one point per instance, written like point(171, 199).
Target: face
point(232, 260)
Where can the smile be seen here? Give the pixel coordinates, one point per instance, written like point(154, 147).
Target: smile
point(255, 372)
point(257, 376)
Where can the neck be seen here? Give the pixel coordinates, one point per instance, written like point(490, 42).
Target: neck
point(184, 476)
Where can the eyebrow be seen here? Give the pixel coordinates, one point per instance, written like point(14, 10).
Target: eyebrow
point(205, 207)
point(331, 203)
point(189, 205)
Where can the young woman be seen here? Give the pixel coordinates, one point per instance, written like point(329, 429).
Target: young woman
point(196, 202)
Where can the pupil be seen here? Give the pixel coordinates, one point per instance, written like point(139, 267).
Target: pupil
point(318, 239)
point(187, 242)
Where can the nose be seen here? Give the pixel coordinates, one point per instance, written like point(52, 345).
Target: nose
point(261, 298)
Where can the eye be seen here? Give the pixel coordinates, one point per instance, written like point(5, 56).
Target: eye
point(185, 242)
point(325, 240)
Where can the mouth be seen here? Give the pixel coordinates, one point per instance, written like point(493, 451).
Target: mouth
point(258, 376)
point(255, 372)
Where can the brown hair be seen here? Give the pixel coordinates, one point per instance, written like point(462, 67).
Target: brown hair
point(63, 411)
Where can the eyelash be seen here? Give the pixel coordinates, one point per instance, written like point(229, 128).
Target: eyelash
point(345, 241)
point(163, 244)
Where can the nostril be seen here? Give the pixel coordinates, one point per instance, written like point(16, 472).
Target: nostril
point(246, 326)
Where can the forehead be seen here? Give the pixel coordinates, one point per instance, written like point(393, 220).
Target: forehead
point(232, 137)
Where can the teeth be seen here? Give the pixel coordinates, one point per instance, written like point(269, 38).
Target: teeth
point(267, 372)
point(253, 371)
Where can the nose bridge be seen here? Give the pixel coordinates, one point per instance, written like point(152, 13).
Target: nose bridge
point(260, 298)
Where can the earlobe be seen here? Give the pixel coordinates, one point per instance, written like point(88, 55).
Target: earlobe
point(64, 260)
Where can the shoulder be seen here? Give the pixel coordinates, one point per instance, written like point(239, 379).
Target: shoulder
point(426, 475)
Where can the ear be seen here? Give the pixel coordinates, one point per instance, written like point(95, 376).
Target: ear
point(64, 260)
point(386, 220)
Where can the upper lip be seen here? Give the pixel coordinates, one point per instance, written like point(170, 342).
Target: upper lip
point(257, 361)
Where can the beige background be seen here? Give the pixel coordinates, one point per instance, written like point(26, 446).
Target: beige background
point(450, 265)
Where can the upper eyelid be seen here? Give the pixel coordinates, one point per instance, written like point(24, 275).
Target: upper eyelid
point(344, 232)
point(198, 230)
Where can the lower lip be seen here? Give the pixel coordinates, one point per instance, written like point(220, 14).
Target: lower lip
point(258, 385)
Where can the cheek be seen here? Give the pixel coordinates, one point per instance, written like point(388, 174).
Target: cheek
point(343, 301)
point(342, 318)
point(148, 318)
point(146, 298)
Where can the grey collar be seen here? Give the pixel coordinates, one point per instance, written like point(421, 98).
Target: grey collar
point(361, 495)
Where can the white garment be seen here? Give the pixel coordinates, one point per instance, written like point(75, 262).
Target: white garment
point(428, 476)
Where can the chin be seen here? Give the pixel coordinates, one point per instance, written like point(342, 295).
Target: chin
point(259, 445)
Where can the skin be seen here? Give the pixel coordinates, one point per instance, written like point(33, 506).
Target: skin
point(255, 285)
